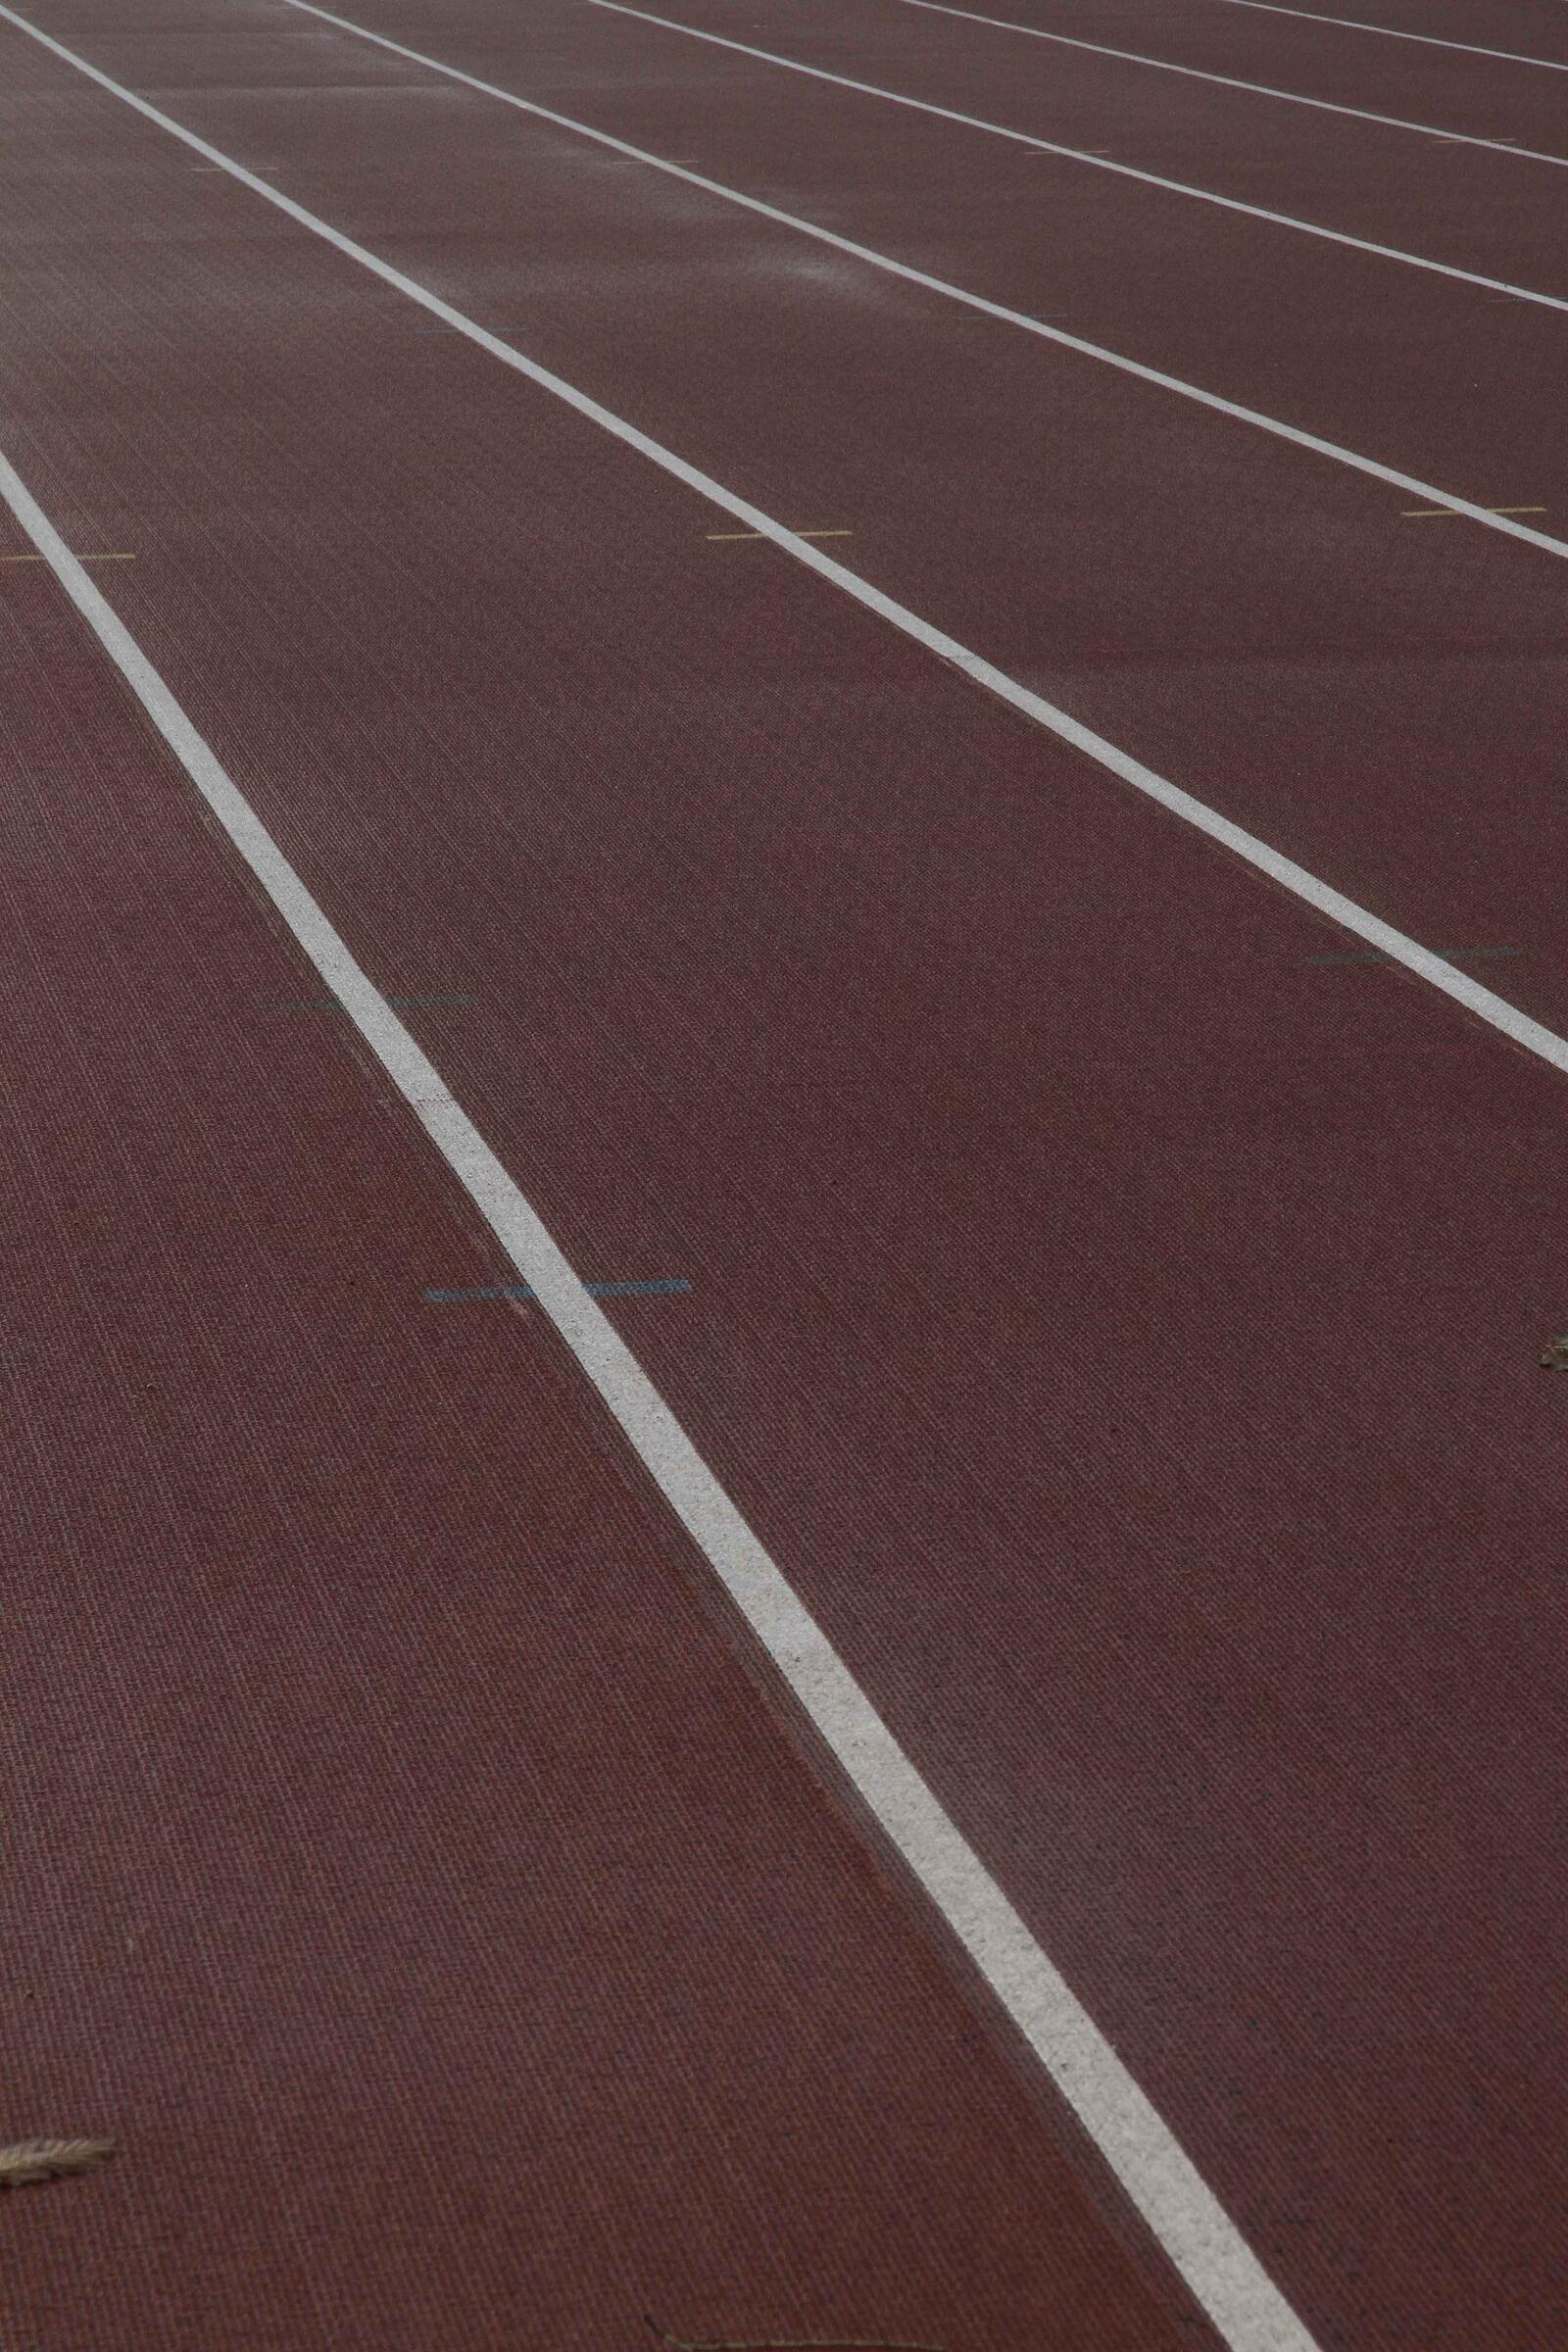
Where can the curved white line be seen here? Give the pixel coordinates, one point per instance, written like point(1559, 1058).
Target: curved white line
point(1429, 40)
point(1101, 163)
point(977, 302)
point(1136, 57)
point(865, 253)
point(1229, 81)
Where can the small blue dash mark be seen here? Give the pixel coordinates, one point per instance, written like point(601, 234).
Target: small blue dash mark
point(1449, 956)
point(661, 1287)
point(337, 1005)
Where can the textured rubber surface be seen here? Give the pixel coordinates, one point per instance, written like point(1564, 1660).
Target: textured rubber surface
point(1121, 1320)
point(401, 1858)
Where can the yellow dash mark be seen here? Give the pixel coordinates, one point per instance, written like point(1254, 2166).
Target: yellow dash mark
point(1431, 513)
point(79, 559)
point(769, 535)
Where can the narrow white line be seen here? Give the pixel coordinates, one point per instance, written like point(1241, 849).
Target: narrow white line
point(1511, 56)
point(1228, 82)
point(1090, 155)
point(1196, 2232)
point(1052, 147)
point(512, 358)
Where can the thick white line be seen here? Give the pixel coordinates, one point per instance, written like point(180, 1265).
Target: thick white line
point(1429, 40)
point(1184, 2216)
point(1228, 82)
point(715, 188)
point(1097, 161)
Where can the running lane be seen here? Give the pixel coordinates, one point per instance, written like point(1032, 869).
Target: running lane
point(1457, 383)
point(1297, 39)
point(402, 1863)
point(1452, 89)
point(1121, 1323)
point(1476, 206)
point(1534, 27)
point(1270, 627)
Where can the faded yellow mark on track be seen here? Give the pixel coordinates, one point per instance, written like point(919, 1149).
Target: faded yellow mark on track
point(1432, 513)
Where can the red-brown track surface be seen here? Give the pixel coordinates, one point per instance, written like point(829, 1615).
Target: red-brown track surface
point(1118, 1318)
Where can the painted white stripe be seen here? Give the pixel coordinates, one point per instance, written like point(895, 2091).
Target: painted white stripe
point(1104, 162)
point(1188, 2221)
point(1127, 56)
point(1429, 40)
point(865, 253)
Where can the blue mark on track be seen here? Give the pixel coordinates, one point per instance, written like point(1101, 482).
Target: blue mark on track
point(1370, 956)
point(335, 1004)
point(661, 1287)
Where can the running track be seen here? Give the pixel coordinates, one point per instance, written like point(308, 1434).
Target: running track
point(1114, 1293)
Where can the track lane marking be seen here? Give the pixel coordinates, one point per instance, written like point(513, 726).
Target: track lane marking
point(1096, 156)
point(1512, 57)
point(1180, 2212)
point(1449, 955)
point(764, 534)
point(1294, 434)
point(35, 558)
point(272, 1005)
point(1229, 81)
point(1460, 138)
point(658, 1285)
point(1412, 513)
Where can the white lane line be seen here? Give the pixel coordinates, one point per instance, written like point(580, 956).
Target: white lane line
point(1180, 2209)
point(1232, 409)
point(1082, 155)
point(1429, 40)
point(1228, 82)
